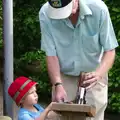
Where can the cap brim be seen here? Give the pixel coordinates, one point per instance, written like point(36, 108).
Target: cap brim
point(60, 13)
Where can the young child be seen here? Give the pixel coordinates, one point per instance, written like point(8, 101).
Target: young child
point(23, 92)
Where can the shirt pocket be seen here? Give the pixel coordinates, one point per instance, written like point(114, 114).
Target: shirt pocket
point(91, 43)
point(65, 41)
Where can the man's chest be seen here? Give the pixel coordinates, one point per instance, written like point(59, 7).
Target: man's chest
point(85, 35)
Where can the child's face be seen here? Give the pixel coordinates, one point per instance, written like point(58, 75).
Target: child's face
point(31, 98)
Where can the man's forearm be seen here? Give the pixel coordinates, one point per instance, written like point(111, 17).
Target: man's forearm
point(53, 69)
point(106, 63)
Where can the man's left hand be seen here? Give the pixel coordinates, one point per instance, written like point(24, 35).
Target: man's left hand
point(91, 79)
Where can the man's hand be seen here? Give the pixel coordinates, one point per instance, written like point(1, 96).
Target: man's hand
point(60, 94)
point(91, 79)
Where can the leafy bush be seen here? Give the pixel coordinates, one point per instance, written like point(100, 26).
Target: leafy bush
point(26, 26)
point(114, 86)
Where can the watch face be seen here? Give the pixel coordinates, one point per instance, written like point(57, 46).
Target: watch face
point(58, 83)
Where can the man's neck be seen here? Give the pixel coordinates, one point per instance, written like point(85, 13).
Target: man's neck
point(74, 18)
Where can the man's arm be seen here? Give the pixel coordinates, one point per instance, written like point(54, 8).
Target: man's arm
point(109, 43)
point(48, 46)
point(54, 73)
point(53, 69)
point(106, 63)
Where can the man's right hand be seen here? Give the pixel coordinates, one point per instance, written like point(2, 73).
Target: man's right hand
point(60, 94)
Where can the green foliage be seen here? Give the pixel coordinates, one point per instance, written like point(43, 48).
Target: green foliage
point(26, 26)
point(114, 78)
point(114, 86)
point(114, 102)
point(32, 59)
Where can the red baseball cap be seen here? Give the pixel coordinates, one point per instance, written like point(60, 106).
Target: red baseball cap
point(19, 88)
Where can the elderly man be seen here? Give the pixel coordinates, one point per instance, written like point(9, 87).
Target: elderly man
point(77, 36)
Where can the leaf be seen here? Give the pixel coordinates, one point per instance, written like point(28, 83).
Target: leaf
point(119, 33)
point(115, 9)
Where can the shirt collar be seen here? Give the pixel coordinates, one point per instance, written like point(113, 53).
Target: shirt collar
point(84, 9)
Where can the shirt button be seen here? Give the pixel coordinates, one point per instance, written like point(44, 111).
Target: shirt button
point(82, 17)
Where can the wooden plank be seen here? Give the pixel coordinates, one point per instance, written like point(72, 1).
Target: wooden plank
point(64, 107)
point(72, 116)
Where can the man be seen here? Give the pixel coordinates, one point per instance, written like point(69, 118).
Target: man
point(78, 36)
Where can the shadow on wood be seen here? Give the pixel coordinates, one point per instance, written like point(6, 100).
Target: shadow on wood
point(73, 111)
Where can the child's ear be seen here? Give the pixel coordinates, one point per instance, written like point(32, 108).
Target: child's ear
point(21, 102)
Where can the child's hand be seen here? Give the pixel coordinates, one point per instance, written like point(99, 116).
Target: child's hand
point(52, 115)
point(50, 106)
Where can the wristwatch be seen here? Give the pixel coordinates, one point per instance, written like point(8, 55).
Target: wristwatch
point(57, 83)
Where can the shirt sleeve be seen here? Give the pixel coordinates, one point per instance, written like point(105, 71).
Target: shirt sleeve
point(107, 36)
point(25, 117)
point(47, 43)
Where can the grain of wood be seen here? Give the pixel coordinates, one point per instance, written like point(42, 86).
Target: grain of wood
point(62, 107)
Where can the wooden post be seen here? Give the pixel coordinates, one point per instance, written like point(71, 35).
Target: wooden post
point(73, 111)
